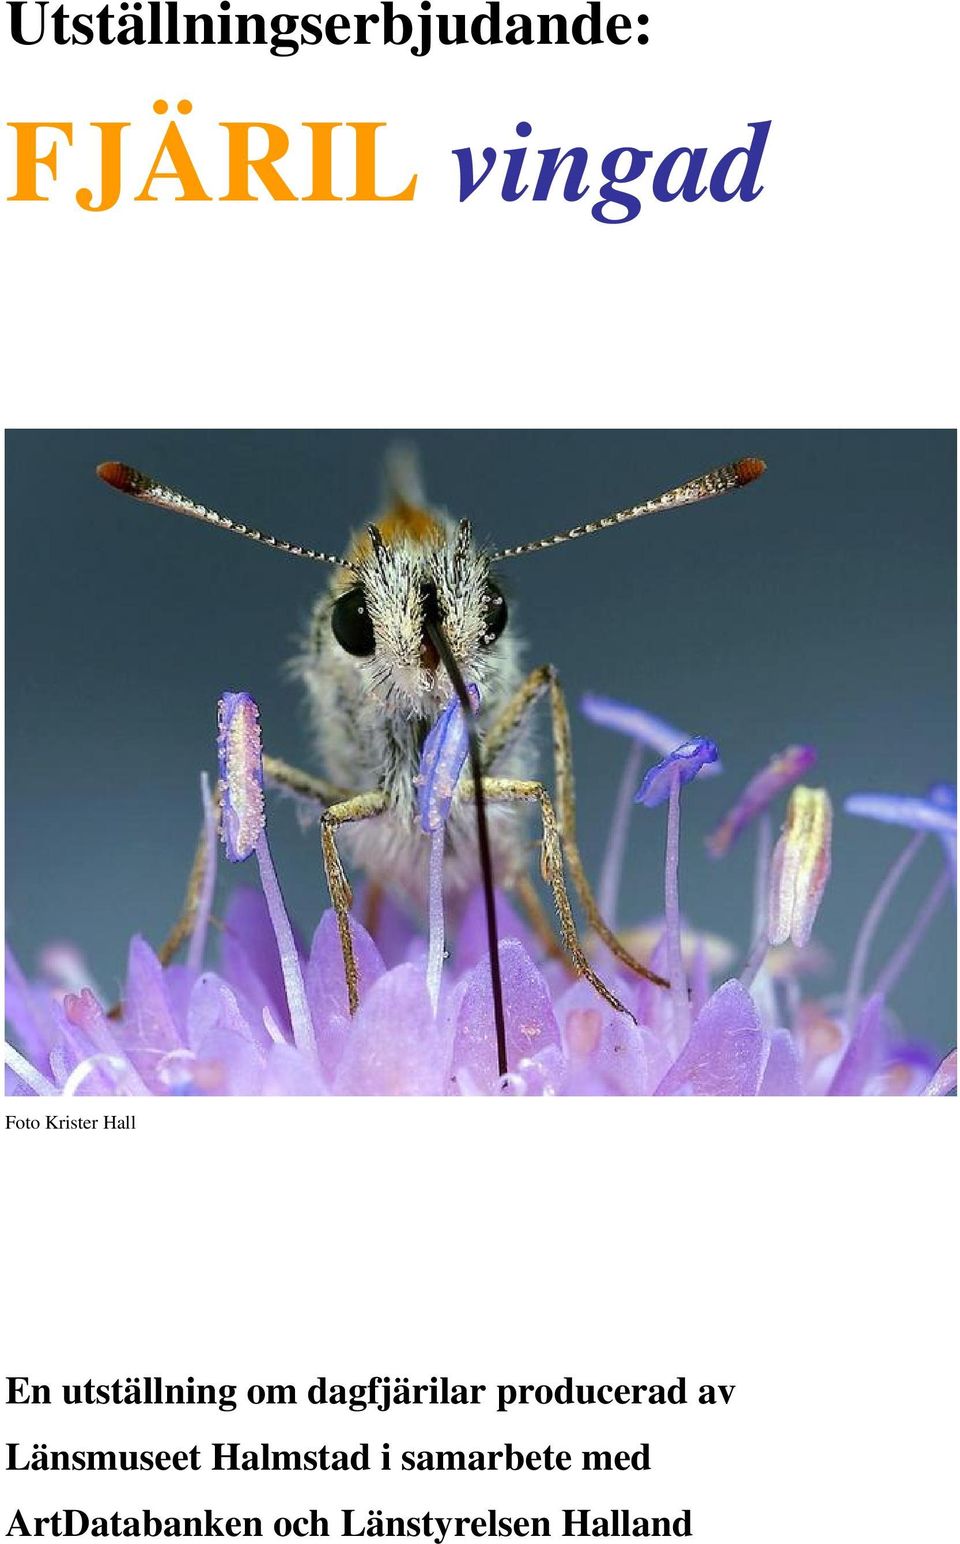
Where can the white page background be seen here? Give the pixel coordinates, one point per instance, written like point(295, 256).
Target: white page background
point(821, 303)
point(805, 1252)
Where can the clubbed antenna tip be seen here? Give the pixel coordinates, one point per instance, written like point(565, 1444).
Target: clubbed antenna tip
point(125, 478)
point(749, 469)
point(723, 479)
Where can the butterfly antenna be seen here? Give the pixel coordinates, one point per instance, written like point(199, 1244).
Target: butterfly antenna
point(126, 479)
point(723, 479)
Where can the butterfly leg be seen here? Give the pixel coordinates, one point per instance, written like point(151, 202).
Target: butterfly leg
point(363, 806)
point(280, 774)
point(203, 858)
point(509, 790)
point(538, 917)
point(543, 681)
point(302, 785)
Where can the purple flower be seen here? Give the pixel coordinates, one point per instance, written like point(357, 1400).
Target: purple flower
point(944, 1080)
point(228, 1030)
point(646, 732)
point(241, 774)
point(664, 781)
point(269, 1015)
point(944, 796)
point(936, 813)
point(682, 765)
point(243, 827)
point(896, 809)
point(800, 867)
point(639, 725)
point(775, 778)
point(442, 761)
point(727, 1051)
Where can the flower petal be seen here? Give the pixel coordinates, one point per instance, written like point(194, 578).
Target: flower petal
point(944, 796)
point(472, 943)
point(149, 1020)
point(393, 1046)
point(780, 773)
point(530, 1020)
point(906, 1071)
point(902, 810)
point(32, 1013)
point(864, 1055)
point(290, 1074)
point(249, 958)
point(727, 1052)
point(606, 1047)
point(781, 1078)
point(444, 754)
point(325, 976)
point(684, 762)
point(718, 953)
point(944, 1080)
point(655, 733)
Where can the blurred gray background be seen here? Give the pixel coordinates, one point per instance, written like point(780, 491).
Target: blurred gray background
point(817, 606)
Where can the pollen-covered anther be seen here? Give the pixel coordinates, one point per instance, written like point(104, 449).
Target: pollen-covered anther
point(241, 774)
point(800, 866)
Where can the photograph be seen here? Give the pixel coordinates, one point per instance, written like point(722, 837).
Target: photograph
point(527, 763)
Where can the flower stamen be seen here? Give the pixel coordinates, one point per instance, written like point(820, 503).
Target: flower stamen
point(664, 781)
point(800, 867)
point(244, 830)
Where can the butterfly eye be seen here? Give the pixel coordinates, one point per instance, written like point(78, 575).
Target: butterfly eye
point(495, 615)
point(351, 623)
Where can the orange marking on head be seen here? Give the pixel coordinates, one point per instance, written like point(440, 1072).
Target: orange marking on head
point(401, 523)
